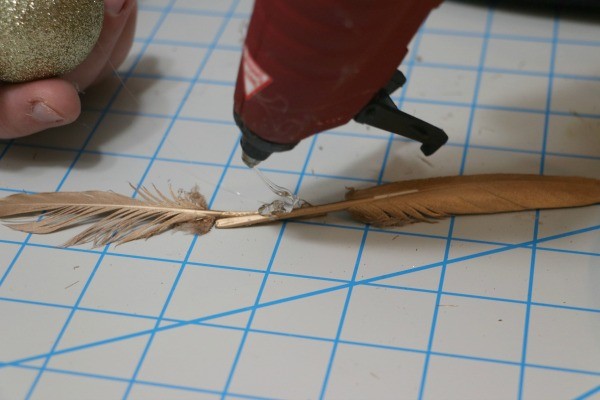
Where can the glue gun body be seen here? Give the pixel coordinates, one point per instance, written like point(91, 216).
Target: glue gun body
point(312, 65)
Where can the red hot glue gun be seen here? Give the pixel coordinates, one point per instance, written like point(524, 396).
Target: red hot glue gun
point(312, 65)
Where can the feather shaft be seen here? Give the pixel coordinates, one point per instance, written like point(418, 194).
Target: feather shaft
point(304, 212)
point(425, 200)
point(22, 204)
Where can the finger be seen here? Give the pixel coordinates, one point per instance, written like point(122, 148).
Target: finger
point(32, 107)
point(121, 49)
point(112, 29)
point(125, 42)
point(114, 7)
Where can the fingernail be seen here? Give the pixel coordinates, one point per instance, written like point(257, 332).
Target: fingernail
point(115, 7)
point(44, 114)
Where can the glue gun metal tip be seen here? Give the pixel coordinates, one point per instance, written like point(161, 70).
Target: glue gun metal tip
point(249, 161)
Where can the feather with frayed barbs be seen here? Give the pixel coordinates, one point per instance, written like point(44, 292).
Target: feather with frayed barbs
point(115, 218)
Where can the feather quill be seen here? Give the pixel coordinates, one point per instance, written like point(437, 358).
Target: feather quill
point(426, 200)
point(115, 218)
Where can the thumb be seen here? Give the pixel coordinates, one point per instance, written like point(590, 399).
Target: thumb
point(27, 108)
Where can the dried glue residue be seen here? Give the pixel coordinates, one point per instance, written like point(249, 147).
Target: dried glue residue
point(288, 201)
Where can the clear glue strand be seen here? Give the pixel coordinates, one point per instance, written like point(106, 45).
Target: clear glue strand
point(288, 201)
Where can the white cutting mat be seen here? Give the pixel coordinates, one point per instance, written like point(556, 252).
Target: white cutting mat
point(503, 306)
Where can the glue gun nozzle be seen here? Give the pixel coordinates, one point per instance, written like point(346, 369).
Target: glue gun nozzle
point(249, 161)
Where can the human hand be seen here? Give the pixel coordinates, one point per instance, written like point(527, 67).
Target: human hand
point(27, 108)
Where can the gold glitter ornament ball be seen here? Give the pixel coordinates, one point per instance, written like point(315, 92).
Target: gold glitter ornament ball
point(45, 38)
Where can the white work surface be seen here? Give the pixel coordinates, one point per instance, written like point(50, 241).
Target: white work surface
point(504, 306)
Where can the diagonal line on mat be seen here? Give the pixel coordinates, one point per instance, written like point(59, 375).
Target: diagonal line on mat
point(291, 298)
point(588, 394)
point(140, 382)
point(584, 396)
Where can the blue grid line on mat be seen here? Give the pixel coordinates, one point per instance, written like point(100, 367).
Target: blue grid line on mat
point(309, 337)
point(283, 274)
point(79, 151)
point(292, 172)
point(320, 175)
point(466, 240)
point(63, 180)
point(239, 395)
point(366, 345)
point(589, 394)
point(194, 11)
point(431, 65)
point(337, 132)
point(482, 58)
point(332, 225)
point(265, 278)
point(400, 102)
point(519, 38)
point(301, 276)
point(198, 72)
point(326, 339)
point(502, 247)
point(427, 30)
point(388, 286)
point(305, 295)
point(522, 370)
point(16, 362)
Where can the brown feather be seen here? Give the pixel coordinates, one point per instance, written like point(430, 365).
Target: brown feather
point(438, 198)
point(425, 200)
point(116, 218)
point(120, 219)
